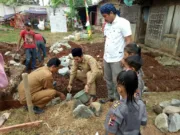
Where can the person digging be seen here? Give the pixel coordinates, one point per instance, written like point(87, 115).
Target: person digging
point(86, 69)
point(41, 86)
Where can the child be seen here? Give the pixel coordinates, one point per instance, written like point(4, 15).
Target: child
point(127, 115)
point(134, 63)
point(132, 49)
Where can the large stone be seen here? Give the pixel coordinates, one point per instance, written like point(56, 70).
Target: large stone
point(96, 108)
point(65, 61)
point(54, 101)
point(174, 122)
point(55, 51)
point(7, 53)
point(76, 103)
point(157, 109)
point(171, 110)
point(64, 71)
point(82, 111)
point(165, 104)
point(175, 102)
point(161, 122)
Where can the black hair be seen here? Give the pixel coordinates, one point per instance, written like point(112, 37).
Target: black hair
point(129, 80)
point(134, 61)
point(133, 49)
point(77, 52)
point(54, 62)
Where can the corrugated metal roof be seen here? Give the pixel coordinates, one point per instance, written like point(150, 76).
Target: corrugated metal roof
point(36, 12)
point(8, 16)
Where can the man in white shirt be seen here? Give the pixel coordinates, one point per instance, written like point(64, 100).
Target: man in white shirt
point(117, 33)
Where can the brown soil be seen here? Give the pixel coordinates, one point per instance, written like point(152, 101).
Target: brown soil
point(157, 77)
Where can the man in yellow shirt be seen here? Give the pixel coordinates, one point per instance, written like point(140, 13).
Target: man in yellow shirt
point(86, 69)
point(41, 86)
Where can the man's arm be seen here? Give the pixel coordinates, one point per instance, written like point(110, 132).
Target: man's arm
point(73, 73)
point(48, 82)
point(94, 69)
point(128, 39)
point(19, 44)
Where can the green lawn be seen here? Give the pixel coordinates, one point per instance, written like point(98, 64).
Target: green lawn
point(11, 35)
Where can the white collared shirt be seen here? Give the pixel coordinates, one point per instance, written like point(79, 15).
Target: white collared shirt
point(115, 34)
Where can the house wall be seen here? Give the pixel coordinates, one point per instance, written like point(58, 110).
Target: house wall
point(163, 25)
point(4, 10)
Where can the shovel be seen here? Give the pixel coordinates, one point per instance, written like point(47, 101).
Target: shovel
point(68, 97)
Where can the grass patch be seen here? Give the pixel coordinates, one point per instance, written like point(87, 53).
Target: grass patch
point(9, 36)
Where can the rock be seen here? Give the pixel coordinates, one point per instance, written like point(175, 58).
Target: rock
point(66, 45)
point(171, 110)
point(7, 53)
point(59, 49)
point(76, 103)
point(65, 61)
point(16, 96)
point(165, 104)
point(55, 51)
point(17, 64)
point(175, 102)
point(96, 108)
point(157, 109)
point(82, 111)
point(12, 62)
point(54, 101)
point(161, 122)
point(174, 122)
point(63, 71)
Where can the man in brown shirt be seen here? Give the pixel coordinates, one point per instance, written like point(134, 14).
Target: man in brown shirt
point(41, 85)
point(86, 69)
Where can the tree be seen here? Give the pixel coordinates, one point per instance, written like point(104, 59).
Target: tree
point(56, 3)
point(80, 3)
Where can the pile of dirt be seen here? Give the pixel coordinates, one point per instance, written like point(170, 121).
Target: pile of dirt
point(157, 77)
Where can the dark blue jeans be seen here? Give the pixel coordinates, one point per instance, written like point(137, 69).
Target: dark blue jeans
point(41, 47)
point(30, 53)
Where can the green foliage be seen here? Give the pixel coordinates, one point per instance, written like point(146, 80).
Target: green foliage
point(80, 3)
point(18, 2)
point(8, 2)
point(56, 3)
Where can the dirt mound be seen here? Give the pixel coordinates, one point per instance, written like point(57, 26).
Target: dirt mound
point(158, 77)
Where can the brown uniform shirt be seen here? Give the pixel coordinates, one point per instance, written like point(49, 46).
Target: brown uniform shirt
point(38, 80)
point(88, 64)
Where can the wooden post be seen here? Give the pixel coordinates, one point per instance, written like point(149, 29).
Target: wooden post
point(28, 96)
point(177, 42)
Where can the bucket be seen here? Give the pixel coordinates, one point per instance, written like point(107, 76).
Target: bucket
point(82, 96)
